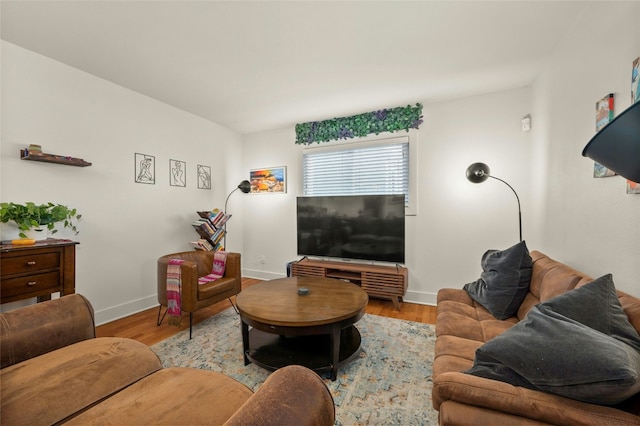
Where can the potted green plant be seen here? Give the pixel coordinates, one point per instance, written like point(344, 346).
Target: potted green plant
point(31, 216)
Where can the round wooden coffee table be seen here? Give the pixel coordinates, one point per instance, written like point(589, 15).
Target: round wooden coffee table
point(315, 330)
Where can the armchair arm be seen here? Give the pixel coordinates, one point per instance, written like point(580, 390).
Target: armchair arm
point(292, 395)
point(37, 329)
point(501, 398)
point(233, 269)
point(189, 278)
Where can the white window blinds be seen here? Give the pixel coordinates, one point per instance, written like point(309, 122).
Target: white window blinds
point(379, 168)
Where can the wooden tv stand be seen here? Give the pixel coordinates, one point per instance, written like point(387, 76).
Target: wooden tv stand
point(386, 282)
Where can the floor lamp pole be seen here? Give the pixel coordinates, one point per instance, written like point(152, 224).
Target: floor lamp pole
point(479, 172)
point(244, 186)
point(517, 198)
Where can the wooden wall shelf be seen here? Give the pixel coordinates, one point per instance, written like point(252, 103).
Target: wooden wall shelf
point(51, 158)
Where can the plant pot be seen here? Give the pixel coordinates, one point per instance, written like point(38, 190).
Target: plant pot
point(37, 233)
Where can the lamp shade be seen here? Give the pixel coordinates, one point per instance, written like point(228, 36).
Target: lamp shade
point(617, 145)
point(245, 186)
point(478, 172)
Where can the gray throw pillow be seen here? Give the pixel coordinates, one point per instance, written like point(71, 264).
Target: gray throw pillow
point(579, 345)
point(504, 282)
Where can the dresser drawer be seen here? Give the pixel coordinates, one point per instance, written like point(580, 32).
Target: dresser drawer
point(30, 263)
point(35, 283)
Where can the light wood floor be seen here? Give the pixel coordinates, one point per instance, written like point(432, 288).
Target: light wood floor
point(142, 326)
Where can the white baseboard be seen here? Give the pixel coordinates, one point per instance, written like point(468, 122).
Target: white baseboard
point(421, 298)
point(262, 275)
point(124, 310)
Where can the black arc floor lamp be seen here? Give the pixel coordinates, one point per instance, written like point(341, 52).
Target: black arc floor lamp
point(617, 145)
point(479, 172)
point(244, 186)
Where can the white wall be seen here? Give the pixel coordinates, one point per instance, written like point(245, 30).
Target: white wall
point(589, 223)
point(125, 226)
point(456, 220)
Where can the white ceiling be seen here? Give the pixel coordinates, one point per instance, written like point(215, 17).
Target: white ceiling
point(261, 65)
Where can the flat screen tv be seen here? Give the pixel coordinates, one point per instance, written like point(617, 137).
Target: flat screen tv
point(365, 227)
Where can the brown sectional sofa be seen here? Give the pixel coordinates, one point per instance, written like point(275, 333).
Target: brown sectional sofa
point(54, 370)
point(463, 325)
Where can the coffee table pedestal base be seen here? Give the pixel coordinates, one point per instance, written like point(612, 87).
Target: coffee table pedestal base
point(315, 352)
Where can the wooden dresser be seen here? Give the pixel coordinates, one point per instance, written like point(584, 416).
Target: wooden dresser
point(48, 266)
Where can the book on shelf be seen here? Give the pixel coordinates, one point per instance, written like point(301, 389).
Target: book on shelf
point(213, 216)
point(224, 220)
point(214, 222)
point(218, 235)
point(218, 217)
point(210, 227)
point(202, 244)
point(205, 229)
point(202, 233)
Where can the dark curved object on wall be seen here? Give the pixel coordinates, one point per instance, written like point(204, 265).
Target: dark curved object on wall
point(617, 145)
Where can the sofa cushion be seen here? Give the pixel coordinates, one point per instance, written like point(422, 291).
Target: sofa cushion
point(53, 386)
point(504, 282)
point(579, 345)
point(186, 396)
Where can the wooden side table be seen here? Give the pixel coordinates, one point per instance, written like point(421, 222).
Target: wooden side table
point(48, 266)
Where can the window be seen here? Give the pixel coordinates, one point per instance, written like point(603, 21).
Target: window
point(368, 167)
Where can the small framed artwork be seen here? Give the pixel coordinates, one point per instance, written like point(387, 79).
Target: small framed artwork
point(145, 168)
point(604, 114)
point(635, 81)
point(270, 180)
point(634, 187)
point(604, 111)
point(177, 173)
point(204, 177)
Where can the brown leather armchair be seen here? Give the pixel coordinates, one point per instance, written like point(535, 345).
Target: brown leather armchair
point(195, 296)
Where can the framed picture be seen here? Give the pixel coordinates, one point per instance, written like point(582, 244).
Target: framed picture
point(604, 111)
point(635, 81)
point(633, 187)
point(204, 177)
point(177, 173)
point(145, 168)
point(270, 180)
point(604, 114)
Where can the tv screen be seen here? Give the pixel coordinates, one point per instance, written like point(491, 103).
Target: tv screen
point(366, 227)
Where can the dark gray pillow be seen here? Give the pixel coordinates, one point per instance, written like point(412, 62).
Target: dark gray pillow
point(579, 345)
point(504, 282)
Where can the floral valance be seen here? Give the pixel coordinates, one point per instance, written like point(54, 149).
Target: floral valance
point(384, 120)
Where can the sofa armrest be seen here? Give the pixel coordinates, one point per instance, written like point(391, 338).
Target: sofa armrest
point(37, 329)
point(539, 406)
point(292, 395)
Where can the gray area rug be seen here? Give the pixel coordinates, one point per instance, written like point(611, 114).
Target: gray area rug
point(388, 383)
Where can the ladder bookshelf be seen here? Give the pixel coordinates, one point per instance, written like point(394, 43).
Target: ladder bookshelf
point(210, 227)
